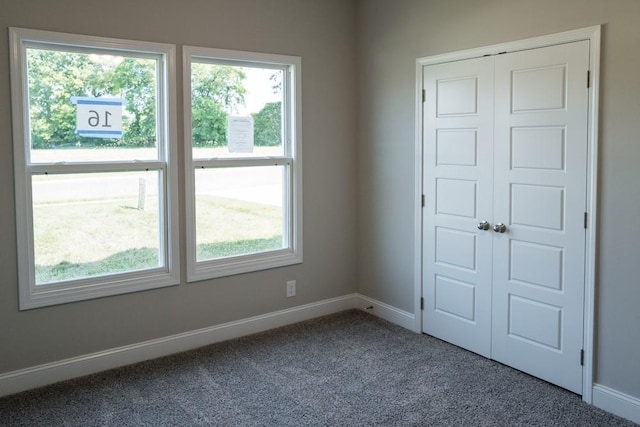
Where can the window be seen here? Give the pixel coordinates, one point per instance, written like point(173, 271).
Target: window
point(242, 125)
point(94, 161)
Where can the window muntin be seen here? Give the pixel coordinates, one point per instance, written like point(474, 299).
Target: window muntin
point(94, 180)
point(243, 169)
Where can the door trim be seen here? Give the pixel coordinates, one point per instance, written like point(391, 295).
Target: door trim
point(593, 35)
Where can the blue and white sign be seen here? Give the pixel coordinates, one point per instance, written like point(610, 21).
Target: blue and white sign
point(98, 117)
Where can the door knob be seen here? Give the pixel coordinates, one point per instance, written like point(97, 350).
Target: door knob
point(483, 225)
point(499, 228)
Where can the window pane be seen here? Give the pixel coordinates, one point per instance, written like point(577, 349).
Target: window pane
point(236, 111)
point(88, 107)
point(88, 225)
point(239, 211)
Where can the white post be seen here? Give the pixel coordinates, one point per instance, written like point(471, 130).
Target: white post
point(142, 193)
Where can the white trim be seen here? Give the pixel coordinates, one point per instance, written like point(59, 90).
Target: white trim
point(291, 160)
point(593, 35)
point(31, 295)
point(386, 312)
point(592, 209)
point(240, 57)
point(37, 376)
point(616, 402)
point(589, 33)
point(419, 192)
point(81, 41)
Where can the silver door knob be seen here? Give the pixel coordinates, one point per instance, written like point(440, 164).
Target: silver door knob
point(483, 225)
point(499, 228)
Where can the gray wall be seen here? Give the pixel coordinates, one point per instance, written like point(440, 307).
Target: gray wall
point(391, 35)
point(377, 93)
point(323, 34)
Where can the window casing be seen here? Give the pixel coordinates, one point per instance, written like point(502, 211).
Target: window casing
point(243, 199)
point(111, 200)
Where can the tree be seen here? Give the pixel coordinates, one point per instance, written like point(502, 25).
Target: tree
point(267, 125)
point(56, 76)
point(53, 78)
point(134, 80)
point(216, 91)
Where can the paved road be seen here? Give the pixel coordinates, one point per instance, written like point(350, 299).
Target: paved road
point(262, 186)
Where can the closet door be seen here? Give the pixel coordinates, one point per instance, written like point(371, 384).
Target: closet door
point(504, 178)
point(540, 195)
point(458, 167)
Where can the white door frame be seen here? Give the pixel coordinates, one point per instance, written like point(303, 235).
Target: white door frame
point(593, 35)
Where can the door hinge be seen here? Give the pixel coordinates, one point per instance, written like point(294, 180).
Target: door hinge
point(581, 357)
point(588, 79)
point(423, 201)
point(424, 95)
point(421, 303)
point(585, 220)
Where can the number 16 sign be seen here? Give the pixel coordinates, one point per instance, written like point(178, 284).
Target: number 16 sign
point(98, 117)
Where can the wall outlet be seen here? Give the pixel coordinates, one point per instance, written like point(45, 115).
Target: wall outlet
point(291, 288)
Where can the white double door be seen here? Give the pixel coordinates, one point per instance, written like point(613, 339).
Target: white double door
point(504, 170)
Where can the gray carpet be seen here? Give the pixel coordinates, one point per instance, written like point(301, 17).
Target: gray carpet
point(347, 369)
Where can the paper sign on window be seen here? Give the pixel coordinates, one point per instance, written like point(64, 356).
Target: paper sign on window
point(240, 134)
point(98, 117)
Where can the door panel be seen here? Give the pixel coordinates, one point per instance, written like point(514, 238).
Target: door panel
point(457, 96)
point(537, 206)
point(458, 117)
point(526, 259)
point(457, 147)
point(538, 88)
point(536, 323)
point(538, 148)
point(464, 205)
point(455, 298)
point(540, 193)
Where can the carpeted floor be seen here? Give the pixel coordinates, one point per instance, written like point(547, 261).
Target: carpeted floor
point(347, 369)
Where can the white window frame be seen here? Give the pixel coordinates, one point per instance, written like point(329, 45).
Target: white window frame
point(32, 296)
point(291, 158)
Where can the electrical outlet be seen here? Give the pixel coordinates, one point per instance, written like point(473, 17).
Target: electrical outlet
point(291, 288)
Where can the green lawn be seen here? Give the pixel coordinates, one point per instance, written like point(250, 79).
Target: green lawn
point(93, 238)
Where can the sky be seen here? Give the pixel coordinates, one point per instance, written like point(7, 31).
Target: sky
point(259, 90)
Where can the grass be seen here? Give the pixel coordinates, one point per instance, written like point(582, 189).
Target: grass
point(228, 227)
point(93, 238)
point(208, 251)
point(132, 259)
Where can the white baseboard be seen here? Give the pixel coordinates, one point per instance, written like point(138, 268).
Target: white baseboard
point(386, 311)
point(604, 397)
point(37, 376)
point(616, 402)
